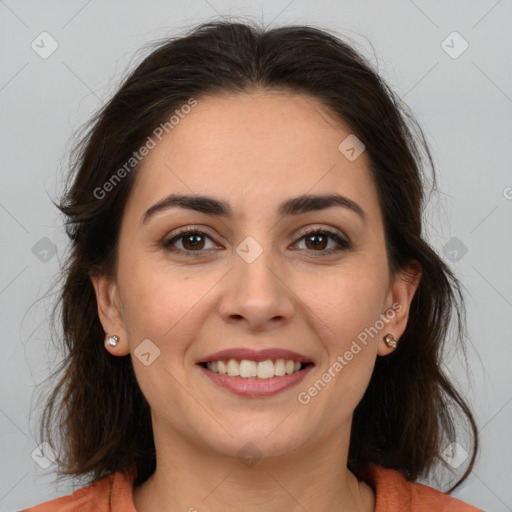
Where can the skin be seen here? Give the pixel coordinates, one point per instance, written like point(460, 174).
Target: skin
point(253, 151)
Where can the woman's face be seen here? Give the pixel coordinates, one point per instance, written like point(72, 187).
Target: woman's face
point(249, 279)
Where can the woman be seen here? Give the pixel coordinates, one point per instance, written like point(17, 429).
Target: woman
point(251, 315)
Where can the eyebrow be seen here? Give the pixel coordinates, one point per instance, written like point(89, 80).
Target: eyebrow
point(216, 207)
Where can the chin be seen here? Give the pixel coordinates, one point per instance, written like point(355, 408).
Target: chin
point(269, 437)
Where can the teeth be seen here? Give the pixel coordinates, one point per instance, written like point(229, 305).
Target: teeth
point(251, 369)
point(247, 368)
point(279, 367)
point(265, 369)
point(221, 366)
point(233, 368)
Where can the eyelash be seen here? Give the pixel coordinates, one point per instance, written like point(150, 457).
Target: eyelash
point(344, 243)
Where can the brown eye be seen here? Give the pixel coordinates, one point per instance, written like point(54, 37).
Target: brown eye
point(318, 241)
point(191, 240)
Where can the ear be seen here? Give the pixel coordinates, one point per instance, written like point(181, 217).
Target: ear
point(398, 302)
point(110, 313)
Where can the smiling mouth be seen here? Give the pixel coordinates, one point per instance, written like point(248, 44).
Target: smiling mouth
point(252, 370)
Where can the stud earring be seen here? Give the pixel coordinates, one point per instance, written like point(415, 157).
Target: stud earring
point(112, 341)
point(390, 341)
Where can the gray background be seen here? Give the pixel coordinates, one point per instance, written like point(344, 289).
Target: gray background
point(463, 102)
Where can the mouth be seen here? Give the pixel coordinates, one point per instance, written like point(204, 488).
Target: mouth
point(255, 370)
point(256, 374)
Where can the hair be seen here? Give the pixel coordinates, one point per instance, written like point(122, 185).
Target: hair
point(96, 409)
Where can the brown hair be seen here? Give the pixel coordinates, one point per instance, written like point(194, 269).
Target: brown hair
point(97, 410)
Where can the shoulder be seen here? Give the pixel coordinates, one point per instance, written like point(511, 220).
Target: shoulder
point(394, 492)
point(112, 493)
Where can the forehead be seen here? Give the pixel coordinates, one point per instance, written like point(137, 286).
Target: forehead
point(253, 149)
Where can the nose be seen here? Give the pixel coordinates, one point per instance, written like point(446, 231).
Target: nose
point(256, 292)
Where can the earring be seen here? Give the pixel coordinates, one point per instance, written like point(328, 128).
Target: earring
point(112, 341)
point(390, 341)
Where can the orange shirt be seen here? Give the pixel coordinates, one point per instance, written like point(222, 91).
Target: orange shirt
point(394, 493)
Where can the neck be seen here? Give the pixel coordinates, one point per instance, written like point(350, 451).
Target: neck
point(190, 478)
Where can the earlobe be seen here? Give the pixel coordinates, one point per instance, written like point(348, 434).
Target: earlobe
point(401, 293)
point(110, 314)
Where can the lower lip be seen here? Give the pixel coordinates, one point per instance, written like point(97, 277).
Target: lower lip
point(253, 388)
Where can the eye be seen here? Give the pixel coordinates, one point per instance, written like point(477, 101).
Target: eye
point(316, 240)
point(192, 241)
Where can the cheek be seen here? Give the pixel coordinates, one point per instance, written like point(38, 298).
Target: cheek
point(346, 306)
point(163, 302)
point(161, 305)
point(347, 302)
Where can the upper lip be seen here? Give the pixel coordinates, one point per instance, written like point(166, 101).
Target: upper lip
point(255, 355)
